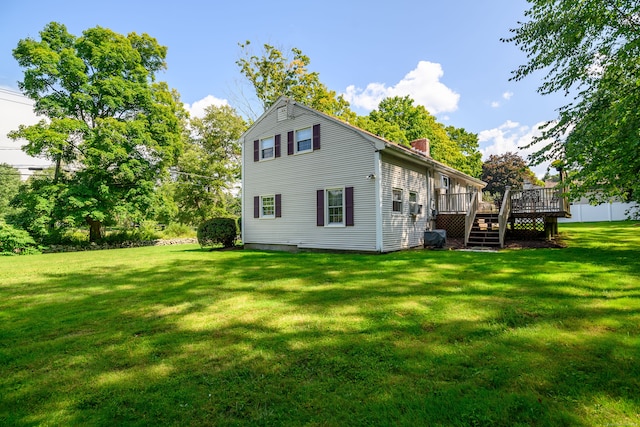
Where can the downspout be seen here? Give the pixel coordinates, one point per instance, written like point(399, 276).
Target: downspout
point(378, 190)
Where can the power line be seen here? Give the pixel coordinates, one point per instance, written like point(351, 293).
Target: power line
point(12, 92)
point(17, 102)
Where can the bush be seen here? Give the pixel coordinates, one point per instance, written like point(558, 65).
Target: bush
point(218, 231)
point(14, 241)
point(175, 230)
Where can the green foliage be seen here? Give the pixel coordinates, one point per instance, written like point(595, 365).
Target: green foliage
point(14, 241)
point(218, 231)
point(176, 230)
point(107, 116)
point(9, 186)
point(38, 206)
point(397, 119)
point(147, 230)
point(209, 169)
point(588, 49)
point(509, 169)
point(273, 75)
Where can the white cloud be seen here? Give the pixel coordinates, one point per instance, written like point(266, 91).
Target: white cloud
point(197, 108)
point(511, 137)
point(507, 95)
point(495, 104)
point(422, 84)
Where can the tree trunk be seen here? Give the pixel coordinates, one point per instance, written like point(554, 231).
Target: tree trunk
point(95, 229)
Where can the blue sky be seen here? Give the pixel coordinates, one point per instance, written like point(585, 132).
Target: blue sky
point(446, 55)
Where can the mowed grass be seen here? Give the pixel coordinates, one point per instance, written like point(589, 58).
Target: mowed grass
point(180, 336)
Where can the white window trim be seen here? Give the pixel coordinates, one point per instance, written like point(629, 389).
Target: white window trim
point(393, 200)
point(445, 181)
point(295, 142)
point(273, 156)
point(327, 222)
point(262, 215)
point(414, 203)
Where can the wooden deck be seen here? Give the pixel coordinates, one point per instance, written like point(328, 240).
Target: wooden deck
point(539, 202)
point(522, 213)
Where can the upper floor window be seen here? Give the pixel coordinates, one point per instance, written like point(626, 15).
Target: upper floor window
point(303, 140)
point(266, 148)
point(397, 200)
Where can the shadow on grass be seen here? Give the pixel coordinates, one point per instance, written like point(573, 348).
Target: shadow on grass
point(545, 337)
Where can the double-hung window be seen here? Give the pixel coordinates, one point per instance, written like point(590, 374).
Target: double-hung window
point(335, 206)
point(397, 200)
point(268, 206)
point(303, 140)
point(266, 148)
point(414, 207)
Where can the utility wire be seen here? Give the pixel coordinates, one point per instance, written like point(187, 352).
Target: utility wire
point(17, 102)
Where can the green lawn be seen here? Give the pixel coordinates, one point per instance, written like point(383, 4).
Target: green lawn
point(180, 336)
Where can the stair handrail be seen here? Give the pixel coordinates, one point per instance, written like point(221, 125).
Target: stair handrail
point(470, 217)
point(505, 213)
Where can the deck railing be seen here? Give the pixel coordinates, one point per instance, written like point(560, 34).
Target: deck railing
point(454, 203)
point(539, 200)
point(470, 216)
point(505, 213)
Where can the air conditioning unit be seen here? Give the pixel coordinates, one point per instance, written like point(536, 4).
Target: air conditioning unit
point(415, 208)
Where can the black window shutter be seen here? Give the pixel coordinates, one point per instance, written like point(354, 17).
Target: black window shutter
point(256, 150)
point(278, 205)
point(348, 196)
point(316, 137)
point(256, 207)
point(290, 143)
point(320, 208)
point(277, 144)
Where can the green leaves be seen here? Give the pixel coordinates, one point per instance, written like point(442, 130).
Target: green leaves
point(590, 50)
point(109, 121)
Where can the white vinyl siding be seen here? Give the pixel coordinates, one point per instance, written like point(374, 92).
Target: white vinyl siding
point(345, 160)
point(402, 231)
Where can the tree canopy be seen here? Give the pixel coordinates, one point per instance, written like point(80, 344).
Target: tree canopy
point(210, 166)
point(508, 169)
point(273, 75)
point(397, 119)
point(591, 50)
point(111, 125)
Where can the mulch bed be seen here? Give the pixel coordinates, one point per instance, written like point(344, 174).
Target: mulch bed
point(458, 243)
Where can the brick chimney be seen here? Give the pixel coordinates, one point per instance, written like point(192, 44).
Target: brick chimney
point(422, 146)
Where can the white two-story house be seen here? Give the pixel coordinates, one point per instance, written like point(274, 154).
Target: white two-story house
point(311, 181)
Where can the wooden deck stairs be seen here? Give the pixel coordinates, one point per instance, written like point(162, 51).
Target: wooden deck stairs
point(485, 231)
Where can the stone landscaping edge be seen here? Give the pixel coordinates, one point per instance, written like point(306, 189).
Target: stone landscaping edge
point(131, 244)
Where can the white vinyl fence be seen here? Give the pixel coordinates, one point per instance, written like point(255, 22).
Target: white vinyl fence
point(615, 211)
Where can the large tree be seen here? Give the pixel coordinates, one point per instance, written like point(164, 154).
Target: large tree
point(399, 120)
point(589, 49)
point(274, 74)
point(110, 123)
point(210, 166)
point(506, 170)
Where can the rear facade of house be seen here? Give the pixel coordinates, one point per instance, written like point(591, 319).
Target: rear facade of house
point(310, 181)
